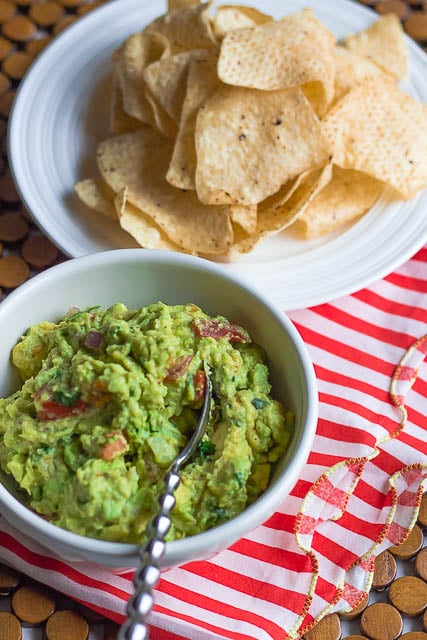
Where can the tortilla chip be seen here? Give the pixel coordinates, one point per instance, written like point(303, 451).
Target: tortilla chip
point(186, 29)
point(202, 82)
point(244, 216)
point(97, 196)
point(138, 161)
point(129, 62)
point(274, 219)
point(295, 51)
point(349, 195)
point(249, 143)
point(162, 121)
point(166, 79)
point(120, 121)
point(140, 226)
point(384, 44)
point(381, 131)
point(351, 70)
point(229, 18)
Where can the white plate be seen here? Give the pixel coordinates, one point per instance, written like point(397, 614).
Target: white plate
point(61, 114)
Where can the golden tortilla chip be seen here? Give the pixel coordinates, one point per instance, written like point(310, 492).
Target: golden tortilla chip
point(274, 219)
point(186, 29)
point(244, 216)
point(162, 121)
point(351, 70)
point(381, 131)
point(166, 80)
point(202, 82)
point(120, 121)
point(249, 143)
point(384, 44)
point(97, 196)
point(349, 195)
point(295, 51)
point(138, 161)
point(140, 226)
point(129, 62)
point(229, 17)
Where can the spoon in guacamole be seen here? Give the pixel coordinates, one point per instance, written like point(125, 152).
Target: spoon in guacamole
point(147, 574)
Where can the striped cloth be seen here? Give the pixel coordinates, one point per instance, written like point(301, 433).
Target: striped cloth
point(358, 493)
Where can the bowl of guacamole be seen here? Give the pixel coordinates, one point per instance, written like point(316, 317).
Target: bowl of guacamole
point(104, 386)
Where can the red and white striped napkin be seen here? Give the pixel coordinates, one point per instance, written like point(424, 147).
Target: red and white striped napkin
point(358, 493)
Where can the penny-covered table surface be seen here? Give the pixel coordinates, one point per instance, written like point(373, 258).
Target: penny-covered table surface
point(397, 604)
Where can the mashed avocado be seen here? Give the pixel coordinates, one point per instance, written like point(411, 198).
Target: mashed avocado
point(109, 398)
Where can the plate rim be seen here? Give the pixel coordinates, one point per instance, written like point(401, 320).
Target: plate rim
point(71, 249)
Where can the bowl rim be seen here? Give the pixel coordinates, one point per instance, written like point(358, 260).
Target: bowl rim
point(262, 505)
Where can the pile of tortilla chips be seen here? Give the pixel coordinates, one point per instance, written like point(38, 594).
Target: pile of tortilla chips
point(228, 126)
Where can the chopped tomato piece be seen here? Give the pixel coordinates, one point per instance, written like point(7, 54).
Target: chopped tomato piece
point(199, 380)
point(114, 448)
point(51, 410)
point(218, 328)
point(178, 368)
point(99, 393)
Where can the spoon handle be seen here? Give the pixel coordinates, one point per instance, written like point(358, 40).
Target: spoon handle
point(147, 575)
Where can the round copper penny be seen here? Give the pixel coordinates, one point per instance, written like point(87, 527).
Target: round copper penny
point(6, 102)
point(17, 64)
point(414, 635)
point(385, 571)
point(87, 7)
point(5, 83)
point(6, 47)
point(357, 610)
point(13, 227)
point(10, 628)
point(19, 28)
point(7, 10)
point(46, 13)
point(409, 595)
point(33, 604)
point(13, 272)
point(34, 47)
point(9, 579)
point(422, 513)
point(381, 621)
point(421, 564)
point(411, 546)
point(39, 252)
point(8, 192)
point(67, 625)
point(393, 6)
point(329, 628)
point(416, 26)
point(63, 23)
point(70, 3)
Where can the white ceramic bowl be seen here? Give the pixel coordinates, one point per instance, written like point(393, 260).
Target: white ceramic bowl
point(138, 277)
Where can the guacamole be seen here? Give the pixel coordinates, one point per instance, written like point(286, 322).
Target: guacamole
point(110, 397)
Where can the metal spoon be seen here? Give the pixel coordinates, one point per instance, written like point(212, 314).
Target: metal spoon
point(150, 554)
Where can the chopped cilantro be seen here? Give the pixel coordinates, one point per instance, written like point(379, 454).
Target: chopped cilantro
point(206, 448)
point(66, 398)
